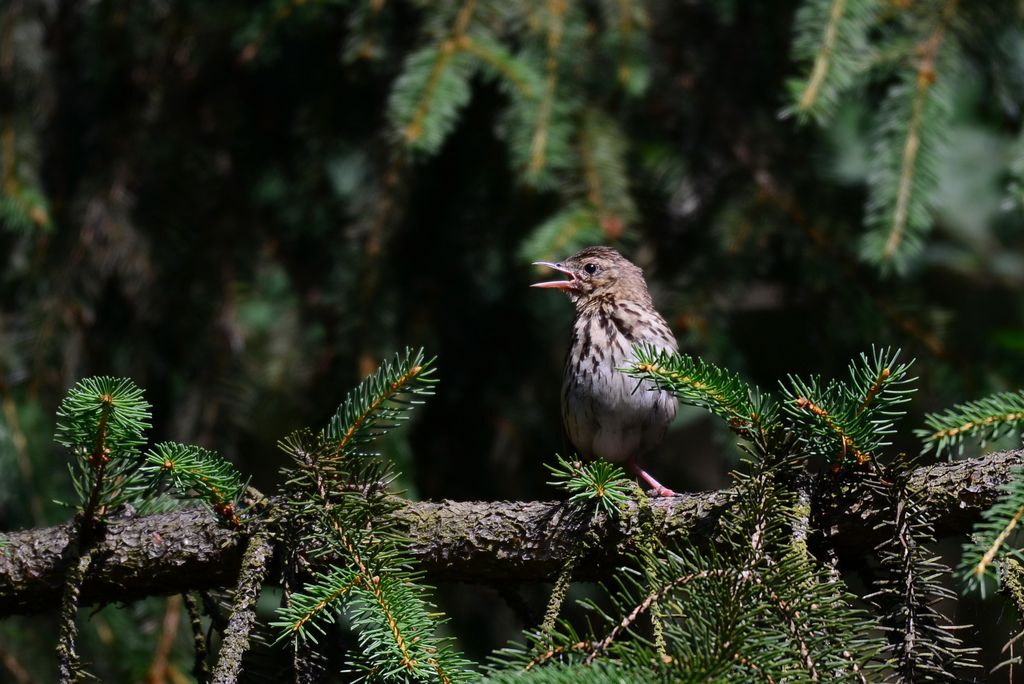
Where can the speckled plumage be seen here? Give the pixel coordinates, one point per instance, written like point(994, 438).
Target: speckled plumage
point(606, 413)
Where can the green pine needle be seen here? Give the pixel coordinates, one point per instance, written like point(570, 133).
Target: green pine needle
point(832, 41)
point(567, 231)
point(626, 42)
point(102, 420)
point(335, 498)
point(309, 612)
point(103, 413)
point(427, 98)
point(600, 482)
point(380, 402)
point(850, 421)
point(197, 473)
point(923, 641)
point(699, 383)
point(982, 420)
point(25, 210)
point(903, 180)
point(995, 537)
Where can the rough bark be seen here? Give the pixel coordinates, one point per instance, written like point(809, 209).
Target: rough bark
point(453, 540)
point(255, 564)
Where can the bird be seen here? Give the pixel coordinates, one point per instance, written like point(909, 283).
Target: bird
point(606, 413)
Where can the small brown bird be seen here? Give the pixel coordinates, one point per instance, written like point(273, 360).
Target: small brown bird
point(606, 413)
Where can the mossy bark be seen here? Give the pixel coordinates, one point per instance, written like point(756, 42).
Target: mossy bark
point(461, 541)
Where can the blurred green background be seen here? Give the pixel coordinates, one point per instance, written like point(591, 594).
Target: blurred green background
point(245, 206)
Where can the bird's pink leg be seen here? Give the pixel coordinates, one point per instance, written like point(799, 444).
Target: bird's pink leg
point(646, 477)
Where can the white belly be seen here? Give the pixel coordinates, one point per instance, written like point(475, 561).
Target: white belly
point(610, 415)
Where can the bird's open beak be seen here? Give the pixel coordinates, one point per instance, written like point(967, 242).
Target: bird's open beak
point(569, 284)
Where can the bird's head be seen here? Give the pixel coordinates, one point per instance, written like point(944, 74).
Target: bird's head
point(596, 272)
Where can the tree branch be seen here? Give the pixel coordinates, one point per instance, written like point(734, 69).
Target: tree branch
point(453, 540)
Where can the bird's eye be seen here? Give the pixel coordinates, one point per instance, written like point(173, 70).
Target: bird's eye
point(590, 268)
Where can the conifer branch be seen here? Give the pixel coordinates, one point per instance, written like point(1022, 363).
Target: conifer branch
point(462, 541)
point(448, 48)
point(197, 473)
point(983, 419)
point(69, 667)
point(251, 575)
point(991, 534)
point(601, 645)
point(702, 384)
point(495, 57)
point(981, 567)
point(357, 422)
point(908, 168)
point(791, 619)
point(538, 146)
point(573, 225)
point(822, 60)
point(923, 640)
point(363, 577)
point(337, 490)
point(21, 207)
point(554, 652)
point(101, 419)
point(902, 215)
point(414, 129)
point(851, 418)
point(831, 38)
point(627, 29)
point(200, 670)
point(98, 460)
point(925, 80)
point(333, 586)
point(848, 445)
point(602, 156)
point(590, 177)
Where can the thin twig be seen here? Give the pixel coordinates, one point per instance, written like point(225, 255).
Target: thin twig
point(200, 670)
point(67, 651)
point(255, 565)
point(823, 59)
point(158, 669)
point(912, 145)
point(14, 667)
point(598, 647)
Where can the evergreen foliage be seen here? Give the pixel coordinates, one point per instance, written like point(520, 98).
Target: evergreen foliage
point(337, 500)
point(556, 140)
point(923, 641)
point(197, 473)
point(845, 45)
point(904, 174)
point(599, 482)
point(983, 420)
point(102, 421)
point(832, 40)
point(848, 423)
point(705, 385)
point(994, 541)
point(244, 204)
point(841, 421)
point(991, 556)
point(756, 607)
point(758, 603)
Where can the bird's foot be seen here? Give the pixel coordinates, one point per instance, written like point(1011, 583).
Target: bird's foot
point(658, 488)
